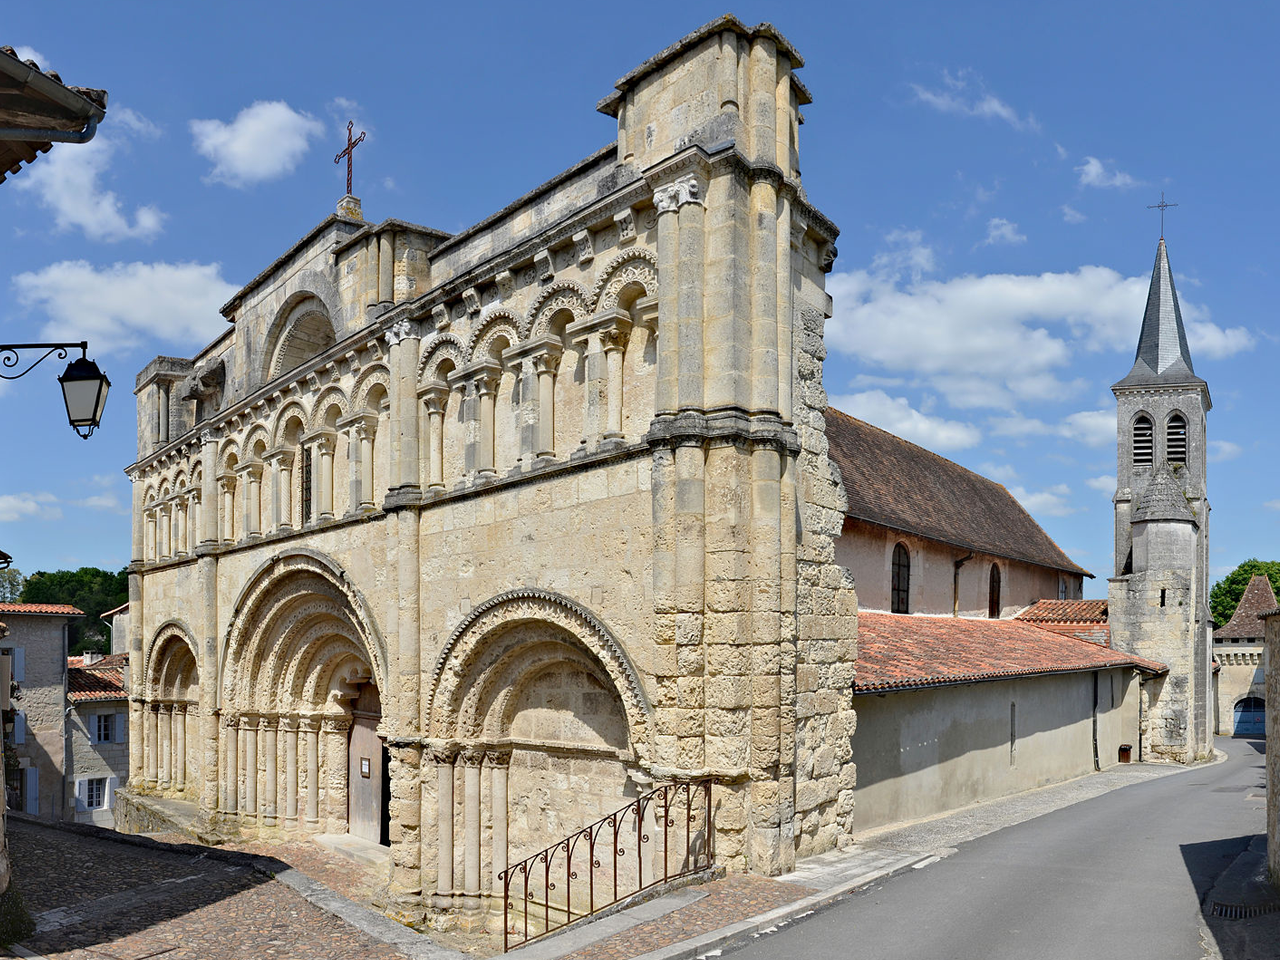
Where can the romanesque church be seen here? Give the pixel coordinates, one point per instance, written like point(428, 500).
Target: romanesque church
point(458, 542)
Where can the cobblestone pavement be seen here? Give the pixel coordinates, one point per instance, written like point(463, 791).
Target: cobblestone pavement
point(97, 899)
point(727, 901)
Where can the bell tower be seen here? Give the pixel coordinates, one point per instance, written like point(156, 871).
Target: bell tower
point(1159, 597)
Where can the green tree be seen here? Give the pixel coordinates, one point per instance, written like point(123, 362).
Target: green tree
point(1226, 593)
point(11, 582)
point(92, 590)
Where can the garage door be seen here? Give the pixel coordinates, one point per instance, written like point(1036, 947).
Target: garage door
point(1250, 718)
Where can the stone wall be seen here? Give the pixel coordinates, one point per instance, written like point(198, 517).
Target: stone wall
point(1273, 736)
point(90, 759)
point(1241, 674)
point(42, 699)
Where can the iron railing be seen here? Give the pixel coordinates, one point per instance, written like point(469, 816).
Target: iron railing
point(659, 837)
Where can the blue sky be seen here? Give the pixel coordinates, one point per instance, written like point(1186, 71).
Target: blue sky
point(989, 165)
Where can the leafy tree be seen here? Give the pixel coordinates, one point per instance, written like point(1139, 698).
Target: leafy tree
point(1226, 593)
point(11, 582)
point(93, 590)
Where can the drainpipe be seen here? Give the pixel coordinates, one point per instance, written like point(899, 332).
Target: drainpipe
point(52, 136)
point(955, 583)
point(1096, 765)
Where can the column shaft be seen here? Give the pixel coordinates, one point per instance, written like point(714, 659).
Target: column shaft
point(267, 731)
point(312, 736)
point(444, 791)
point(471, 828)
point(290, 772)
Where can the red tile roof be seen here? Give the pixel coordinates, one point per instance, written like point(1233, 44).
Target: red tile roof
point(102, 680)
point(1065, 611)
point(123, 608)
point(49, 609)
point(1244, 624)
point(903, 652)
point(894, 483)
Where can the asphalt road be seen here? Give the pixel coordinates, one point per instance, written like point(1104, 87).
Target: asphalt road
point(1120, 875)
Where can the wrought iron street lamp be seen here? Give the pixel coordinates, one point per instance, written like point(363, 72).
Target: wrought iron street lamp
point(84, 386)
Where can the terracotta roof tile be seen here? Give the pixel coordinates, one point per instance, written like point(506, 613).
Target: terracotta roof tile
point(901, 652)
point(1065, 611)
point(102, 680)
point(1258, 598)
point(49, 609)
point(894, 483)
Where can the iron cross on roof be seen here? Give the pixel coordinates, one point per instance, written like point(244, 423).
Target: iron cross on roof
point(1161, 206)
point(351, 145)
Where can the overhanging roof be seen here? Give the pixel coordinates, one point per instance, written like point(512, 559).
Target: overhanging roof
point(37, 109)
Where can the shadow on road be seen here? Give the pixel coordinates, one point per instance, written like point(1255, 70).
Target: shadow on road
point(1239, 906)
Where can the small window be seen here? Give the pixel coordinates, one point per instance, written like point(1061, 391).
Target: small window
point(899, 600)
point(1142, 441)
point(993, 593)
point(306, 484)
point(1062, 588)
point(95, 793)
point(104, 728)
point(1176, 439)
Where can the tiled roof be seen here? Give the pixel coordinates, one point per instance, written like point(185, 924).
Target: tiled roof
point(103, 680)
point(1258, 598)
point(123, 608)
point(1164, 499)
point(894, 483)
point(903, 652)
point(48, 609)
point(1065, 611)
point(38, 103)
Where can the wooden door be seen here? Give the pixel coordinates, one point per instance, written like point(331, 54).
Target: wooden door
point(365, 769)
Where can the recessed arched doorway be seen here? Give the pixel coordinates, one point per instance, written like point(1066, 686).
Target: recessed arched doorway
point(1250, 718)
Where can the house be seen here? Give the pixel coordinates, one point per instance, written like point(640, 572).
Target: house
point(1239, 647)
point(98, 733)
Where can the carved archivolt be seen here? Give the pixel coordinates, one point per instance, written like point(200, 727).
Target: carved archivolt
point(519, 631)
point(374, 376)
point(446, 345)
point(297, 623)
point(170, 664)
point(293, 409)
point(632, 266)
point(561, 295)
point(328, 398)
point(501, 322)
point(229, 450)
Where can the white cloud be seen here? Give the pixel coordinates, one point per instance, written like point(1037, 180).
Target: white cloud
point(1221, 450)
point(1094, 428)
point(1094, 173)
point(108, 502)
point(1001, 472)
point(1062, 151)
point(967, 96)
point(1104, 484)
point(26, 53)
point(1000, 230)
point(1271, 505)
point(265, 141)
point(1052, 502)
point(898, 417)
point(25, 506)
point(116, 307)
point(67, 182)
point(996, 339)
point(1071, 215)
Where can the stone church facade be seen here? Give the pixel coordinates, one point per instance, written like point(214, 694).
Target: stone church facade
point(459, 542)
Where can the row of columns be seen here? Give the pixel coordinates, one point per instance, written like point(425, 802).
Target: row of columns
point(172, 527)
point(165, 745)
point(474, 761)
point(254, 744)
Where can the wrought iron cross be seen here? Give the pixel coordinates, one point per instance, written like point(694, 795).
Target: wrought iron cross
point(351, 145)
point(1161, 206)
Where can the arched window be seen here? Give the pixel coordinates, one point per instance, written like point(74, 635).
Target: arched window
point(1142, 441)
point(1175, 439)
point(993, 593)
point(898, 600)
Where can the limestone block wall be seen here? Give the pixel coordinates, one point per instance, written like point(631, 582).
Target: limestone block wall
point(1273, 736)
point(925, 752)
point(41, 700)
point(1241, 674)
point(867, 551)
point(89, 759)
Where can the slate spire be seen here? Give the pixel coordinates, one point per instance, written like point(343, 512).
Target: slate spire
point(1163, 356)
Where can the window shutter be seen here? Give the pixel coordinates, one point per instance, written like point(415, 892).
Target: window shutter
point(80, 789)
point(19, 664)
point(20, 727)
point(109, 801)
point(32, 805)
point(121, 725)
point(91, 724)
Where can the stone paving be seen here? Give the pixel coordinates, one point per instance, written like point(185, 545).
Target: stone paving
point(97, 899)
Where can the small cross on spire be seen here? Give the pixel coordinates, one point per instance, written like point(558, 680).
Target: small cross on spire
point(1162, 206)
point(351, 145)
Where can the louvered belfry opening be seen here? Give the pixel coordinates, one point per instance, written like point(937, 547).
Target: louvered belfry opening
point(1176, 439)
point(1143, 434)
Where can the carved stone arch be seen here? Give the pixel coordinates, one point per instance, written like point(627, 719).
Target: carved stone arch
point(179, 480)
point(501, 322)
point(229, 449)
point(561, 295)
point(258, 434)
point(377, 375)
point(483, 641)
point(632, 266)
point(159, 651)
point(278, 589)
point(149, 494)
point(330, 395)
point(302, 328)
point(290, 410)
point(444, 346)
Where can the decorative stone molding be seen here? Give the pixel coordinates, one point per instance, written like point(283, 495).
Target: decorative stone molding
point(440, 316)
point(688, 189)
point(471, 300)
point(561, 295)
point(626, 222)
point(543, 267)
point(583, 247)
point(402, 330)
point(638, 265)
point(506, 283)
point(541, 350)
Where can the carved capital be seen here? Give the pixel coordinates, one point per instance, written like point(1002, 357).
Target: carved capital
point(208, 436)
point(688, 189)
point(435, 394)
point(471, 756)
point(402, 330)
point(331, 724)
point(499, 758)
point(309, 724)
point(440, 753)
point(230, 719)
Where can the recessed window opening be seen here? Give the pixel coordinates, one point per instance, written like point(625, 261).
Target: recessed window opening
point(901, 580)
point(1176, 439)
point(993, 593)
point(95, 792)
point(1013, 733)
point(1143, 448)
point(1162, 589)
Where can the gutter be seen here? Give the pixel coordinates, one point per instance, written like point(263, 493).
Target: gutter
point(970, 681)
point(51, 136)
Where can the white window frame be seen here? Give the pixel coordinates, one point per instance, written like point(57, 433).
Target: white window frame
point(98, 720)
